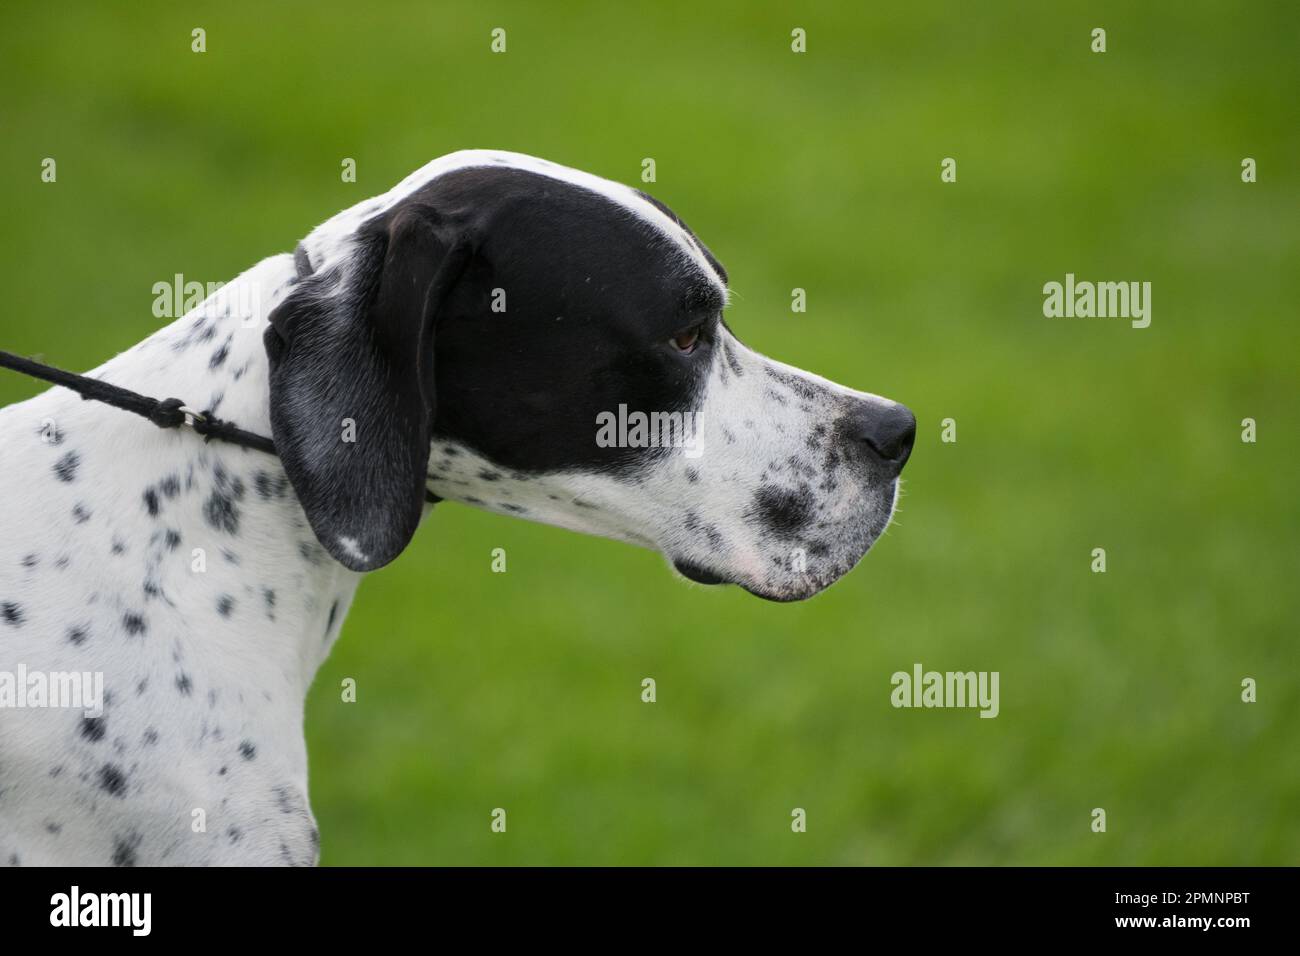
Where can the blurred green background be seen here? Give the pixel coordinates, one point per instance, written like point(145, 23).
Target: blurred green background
point(522, 690)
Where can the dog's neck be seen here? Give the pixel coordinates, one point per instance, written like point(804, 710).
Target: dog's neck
point(247, 561)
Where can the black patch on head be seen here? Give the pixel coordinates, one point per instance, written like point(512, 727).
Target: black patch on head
point(359, 340)
point(65, 469)
point(717, 266)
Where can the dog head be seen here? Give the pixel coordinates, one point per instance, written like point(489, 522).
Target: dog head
point(536, 341)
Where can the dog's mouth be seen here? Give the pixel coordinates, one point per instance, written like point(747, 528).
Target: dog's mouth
point(693, 572)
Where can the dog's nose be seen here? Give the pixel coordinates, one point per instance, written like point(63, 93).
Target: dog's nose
point(888, 431)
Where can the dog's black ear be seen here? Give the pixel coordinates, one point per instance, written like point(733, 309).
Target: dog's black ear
point(352, 391)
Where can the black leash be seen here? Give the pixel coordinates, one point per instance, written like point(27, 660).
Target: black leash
point(165, 413)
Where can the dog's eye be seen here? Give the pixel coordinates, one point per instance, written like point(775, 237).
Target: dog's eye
point(686, 341)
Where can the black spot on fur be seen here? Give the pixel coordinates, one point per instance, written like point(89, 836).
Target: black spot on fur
point(221, 513)
point(172, 539)
point(184, 685)
point(12, 614)
point(270, 486)
point(93, 729)
point(31, 560)
point(151, 502)
point(77, 636)
point(490, 475)
point(782, 511)
point(134, 623)
point(112, 781)
point(219, 356)
point(80, 513)
point(225, 604)
point(65, 469)
point(247, 750)
point(801, 387)
point(124, 849)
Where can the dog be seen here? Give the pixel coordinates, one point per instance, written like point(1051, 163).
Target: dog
point(464, 336)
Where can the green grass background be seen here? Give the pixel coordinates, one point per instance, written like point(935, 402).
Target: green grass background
point(521, 690)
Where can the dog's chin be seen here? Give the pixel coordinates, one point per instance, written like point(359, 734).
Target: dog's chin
point(788, 586)
point(785, 592)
